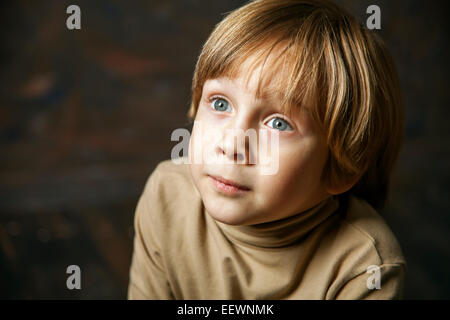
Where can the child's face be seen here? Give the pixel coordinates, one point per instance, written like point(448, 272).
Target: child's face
point(296, 186)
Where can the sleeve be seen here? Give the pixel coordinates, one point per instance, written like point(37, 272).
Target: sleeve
point(147, 276)
point(365, 287)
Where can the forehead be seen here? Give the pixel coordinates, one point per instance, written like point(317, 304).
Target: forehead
point(260, 74)
point(251, 88)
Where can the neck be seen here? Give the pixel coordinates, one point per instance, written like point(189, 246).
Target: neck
point(283, 232)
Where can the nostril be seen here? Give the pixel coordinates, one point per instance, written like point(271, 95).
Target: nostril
point(238, 157)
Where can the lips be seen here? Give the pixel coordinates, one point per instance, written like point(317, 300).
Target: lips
point(228, 186)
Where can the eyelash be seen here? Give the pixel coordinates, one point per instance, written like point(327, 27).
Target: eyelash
point(212, 98)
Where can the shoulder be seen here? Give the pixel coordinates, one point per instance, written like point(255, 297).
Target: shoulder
point(169, 181)
point(169, 193)
point(367, 225)
point(167, 170)
point(357, 238)
point(358, 241)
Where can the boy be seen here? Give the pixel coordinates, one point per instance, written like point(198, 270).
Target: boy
point(307, 72)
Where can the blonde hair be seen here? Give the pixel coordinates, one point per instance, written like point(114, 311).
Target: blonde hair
point(340, 71)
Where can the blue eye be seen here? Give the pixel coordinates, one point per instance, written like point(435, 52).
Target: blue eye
point(221, 105)
point(279, 124)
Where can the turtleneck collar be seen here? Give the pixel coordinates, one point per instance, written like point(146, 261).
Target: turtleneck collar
point(280, 233)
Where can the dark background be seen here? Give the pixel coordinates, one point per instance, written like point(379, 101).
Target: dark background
point(85, 116)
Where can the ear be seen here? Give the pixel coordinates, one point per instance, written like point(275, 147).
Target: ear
point(343, 186)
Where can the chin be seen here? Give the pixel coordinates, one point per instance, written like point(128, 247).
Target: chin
point(224, 216)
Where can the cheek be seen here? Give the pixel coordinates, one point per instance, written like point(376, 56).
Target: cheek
point(300, 169)
point(206, 136)
point(198, 143)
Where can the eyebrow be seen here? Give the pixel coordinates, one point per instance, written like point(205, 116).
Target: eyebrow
point(266, 95)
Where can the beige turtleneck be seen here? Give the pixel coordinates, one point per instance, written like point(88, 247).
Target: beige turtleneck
point(180, 252)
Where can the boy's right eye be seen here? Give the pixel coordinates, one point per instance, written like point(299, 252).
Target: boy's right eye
point(220, 104)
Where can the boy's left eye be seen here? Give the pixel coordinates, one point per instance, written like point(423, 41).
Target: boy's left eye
point(279, 124)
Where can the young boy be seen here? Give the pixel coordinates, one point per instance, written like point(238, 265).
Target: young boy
point(310, 74)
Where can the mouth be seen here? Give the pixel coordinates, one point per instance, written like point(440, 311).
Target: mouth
point(227, 186)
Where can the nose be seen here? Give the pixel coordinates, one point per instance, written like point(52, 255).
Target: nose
point(236, 144)
point(231, 150)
